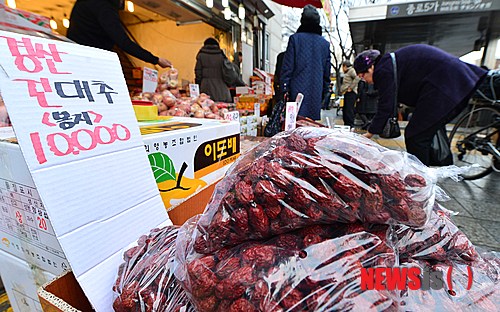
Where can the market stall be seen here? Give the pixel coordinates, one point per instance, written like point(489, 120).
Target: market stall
point(174, 212)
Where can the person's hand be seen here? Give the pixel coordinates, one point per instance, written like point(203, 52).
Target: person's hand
point(164, 63)
point(368, 135)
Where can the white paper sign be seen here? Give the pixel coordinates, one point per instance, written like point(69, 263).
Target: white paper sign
point(299, 99)
point(290, 116)
point(79, 137)
point(232, 116)
point(256, 109)
point(194, 90)
point(149, 79)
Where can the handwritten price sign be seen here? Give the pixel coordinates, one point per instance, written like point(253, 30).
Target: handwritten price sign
point(232, 116)
point(65, 108)
point(149, 79)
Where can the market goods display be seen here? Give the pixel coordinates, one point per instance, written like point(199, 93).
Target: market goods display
point(174, 105)
point(302, 222)
point(314, 176)
point(316, 268)
point(145, 281)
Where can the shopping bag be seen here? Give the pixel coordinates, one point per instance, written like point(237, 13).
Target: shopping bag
point(391, 129)
point(276, 121)
point(440, 150)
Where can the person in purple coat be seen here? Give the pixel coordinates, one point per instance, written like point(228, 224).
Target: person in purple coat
point(436, 84)
point(306, 65)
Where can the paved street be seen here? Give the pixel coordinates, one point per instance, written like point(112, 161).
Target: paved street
point(477, 202)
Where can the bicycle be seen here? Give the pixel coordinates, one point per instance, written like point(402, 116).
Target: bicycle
point(475, 138)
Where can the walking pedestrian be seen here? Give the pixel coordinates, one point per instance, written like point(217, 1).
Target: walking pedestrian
point(306, 64)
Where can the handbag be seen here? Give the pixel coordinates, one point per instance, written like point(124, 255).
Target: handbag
point(276, 121)
point(229, 75)
point(391, 129)
point(440, 150)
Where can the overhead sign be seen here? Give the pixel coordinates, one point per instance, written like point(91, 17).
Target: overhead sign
point(73, 118)
point(441, 7)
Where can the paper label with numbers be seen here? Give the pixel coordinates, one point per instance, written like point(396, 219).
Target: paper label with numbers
point(194, 90)
point(71, 111)
point(149, 79)
point(290, 116)
point(232, 116)
point(25, 229)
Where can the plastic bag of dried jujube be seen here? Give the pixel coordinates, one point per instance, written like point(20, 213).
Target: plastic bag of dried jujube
point(314, 176)
point(311, 269)
point(145, 281)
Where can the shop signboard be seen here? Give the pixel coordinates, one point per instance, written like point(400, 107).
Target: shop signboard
point(81, 143)
point(440, 7)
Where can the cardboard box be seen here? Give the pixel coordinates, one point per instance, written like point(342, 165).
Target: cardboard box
point(79, 137)
point(188, 154)
point(25, 229)
point(21, 281)
point(65, 294)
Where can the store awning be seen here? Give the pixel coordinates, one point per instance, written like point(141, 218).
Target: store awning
point(188, 11)
point(457, 30)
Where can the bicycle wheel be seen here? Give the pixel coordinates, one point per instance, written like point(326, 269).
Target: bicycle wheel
point(468, 138)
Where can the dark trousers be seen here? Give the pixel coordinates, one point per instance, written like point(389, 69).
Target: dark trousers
point(348, 108)
point(420, 144)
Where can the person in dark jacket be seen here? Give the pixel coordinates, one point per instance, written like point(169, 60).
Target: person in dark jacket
point(366, 106)
point(96, 23)
point(437, 84)
point(306, 64)
point(208, 71)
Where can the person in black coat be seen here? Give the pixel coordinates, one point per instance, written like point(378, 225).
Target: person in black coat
point(96, 23)
point(437, 84)
point(208, 71)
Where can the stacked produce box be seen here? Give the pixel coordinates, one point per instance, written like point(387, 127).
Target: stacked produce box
point(315, 220)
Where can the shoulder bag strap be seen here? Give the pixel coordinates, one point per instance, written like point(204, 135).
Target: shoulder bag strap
point(394, 66)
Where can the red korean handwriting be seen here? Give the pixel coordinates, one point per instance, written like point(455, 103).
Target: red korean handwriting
point(29, 56)
point(62, 144)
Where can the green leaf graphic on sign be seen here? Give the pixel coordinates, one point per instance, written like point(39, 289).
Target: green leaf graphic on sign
point(163, 167)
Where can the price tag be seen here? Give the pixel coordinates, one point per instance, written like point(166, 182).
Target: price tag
point(290, 116)
point(194, 90)
point(299, 99)
point(149, 80)
point(256, 109)
point(232, 116)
